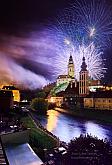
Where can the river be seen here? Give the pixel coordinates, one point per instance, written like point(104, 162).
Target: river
point(67, 127)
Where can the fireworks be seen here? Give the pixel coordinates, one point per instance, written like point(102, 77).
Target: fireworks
point(83, 29)
point(95, 18)
point(93, 61)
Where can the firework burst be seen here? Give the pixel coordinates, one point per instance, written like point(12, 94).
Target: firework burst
point(95, 18)
point(83, 29)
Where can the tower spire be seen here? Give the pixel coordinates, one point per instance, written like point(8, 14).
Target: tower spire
point(83, 79)
point(83, 66)
point(71, 67)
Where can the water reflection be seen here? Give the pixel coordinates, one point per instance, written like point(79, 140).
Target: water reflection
point(96, 130)
point(67, 127)
point(52, 120)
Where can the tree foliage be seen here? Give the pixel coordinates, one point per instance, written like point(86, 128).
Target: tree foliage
point(88, 150)
point(41, 94)
point(40, 105)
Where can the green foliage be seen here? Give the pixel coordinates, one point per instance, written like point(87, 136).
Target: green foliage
point(58, 89)
point(40, 105)
point(41, 94)
point(38, 136)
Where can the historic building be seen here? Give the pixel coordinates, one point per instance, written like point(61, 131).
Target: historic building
point(15, 91)
point(68, 90)
point(70, 77)
point(83, 79)
point(85, 93)
point(99, 100)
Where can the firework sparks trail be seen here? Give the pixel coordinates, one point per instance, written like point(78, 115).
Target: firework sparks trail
point(83, 29)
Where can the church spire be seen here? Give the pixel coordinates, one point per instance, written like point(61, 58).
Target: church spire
point(83, 79)
point(71, 67)
point(70, 59)
point(83, 66)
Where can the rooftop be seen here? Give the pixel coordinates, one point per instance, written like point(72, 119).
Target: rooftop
point(101, 94)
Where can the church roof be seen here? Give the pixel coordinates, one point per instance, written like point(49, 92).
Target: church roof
point(83, 66)
point(70, 59)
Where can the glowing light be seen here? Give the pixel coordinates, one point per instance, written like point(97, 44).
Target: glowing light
point(81, 29)
point(86, 29)
point(93, 57)
point(52, 120)
point(92, 32)
point(97, 15)
point(52, 100)
point(67, 41)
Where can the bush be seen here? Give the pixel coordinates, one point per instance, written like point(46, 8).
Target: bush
point(88, 150)
point(40, 105)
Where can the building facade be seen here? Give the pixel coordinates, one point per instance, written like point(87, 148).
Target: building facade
point(83, 79)
point(101, 100)
point(68, 77)
point(15, 91)
point(57, 100)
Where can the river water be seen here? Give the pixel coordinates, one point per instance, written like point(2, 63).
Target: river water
point(67, 127)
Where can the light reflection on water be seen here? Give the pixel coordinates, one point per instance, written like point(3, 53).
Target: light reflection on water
point(52, 120)
point(67, 127)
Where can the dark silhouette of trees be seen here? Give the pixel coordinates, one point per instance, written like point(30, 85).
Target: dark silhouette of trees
point(40, 105)
point(88, 150)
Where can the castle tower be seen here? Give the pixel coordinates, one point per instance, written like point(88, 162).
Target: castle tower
point(71, 71)
point(83, 79)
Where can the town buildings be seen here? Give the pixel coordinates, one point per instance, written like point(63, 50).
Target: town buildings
point(70, 77)
point(101, 100)
point(85, 93)
point(15, 91)
point(6, 101)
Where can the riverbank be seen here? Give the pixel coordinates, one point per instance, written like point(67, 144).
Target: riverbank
point(98, 115)
point(37, 135)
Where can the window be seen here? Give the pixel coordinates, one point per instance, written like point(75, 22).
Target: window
point(80, 77)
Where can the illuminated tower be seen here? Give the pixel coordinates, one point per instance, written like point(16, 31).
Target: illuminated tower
point(71, 67)
point(83, 79)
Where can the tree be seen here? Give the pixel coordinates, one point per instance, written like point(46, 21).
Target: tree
point(88, 150)
point(40, 105)
point(41, 94)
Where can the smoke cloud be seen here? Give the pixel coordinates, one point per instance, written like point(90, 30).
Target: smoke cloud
point(27, 60)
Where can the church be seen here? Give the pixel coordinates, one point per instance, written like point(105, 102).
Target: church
point(83, 93)
point(69, 78)
point(69, 92)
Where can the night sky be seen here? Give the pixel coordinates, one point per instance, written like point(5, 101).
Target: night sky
point(22, 14)
point(21, 21)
